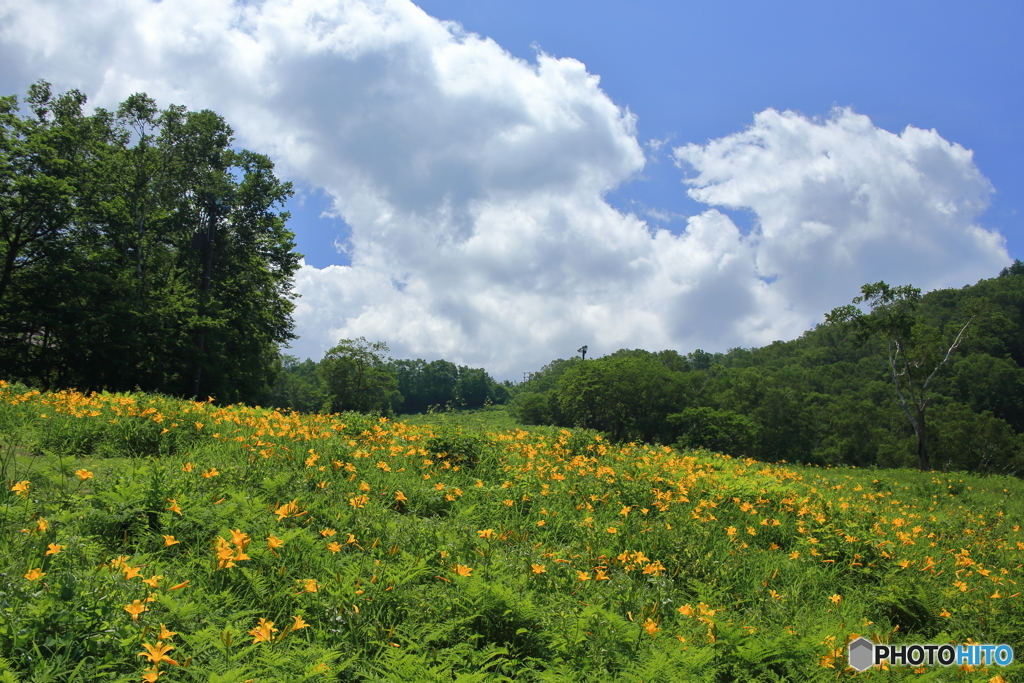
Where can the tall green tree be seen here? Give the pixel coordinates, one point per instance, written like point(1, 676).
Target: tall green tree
point(629, 396)
point(144, 250)
point(425, 385)
point(44, 159)
point(914, 350)
point(357, 376)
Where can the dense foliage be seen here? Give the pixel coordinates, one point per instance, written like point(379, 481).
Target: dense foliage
point(146, 538)
point(138, 249)
point(358, 375)
point(841, 394)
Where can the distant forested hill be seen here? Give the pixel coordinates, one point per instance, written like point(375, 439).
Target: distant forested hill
point(825, 398)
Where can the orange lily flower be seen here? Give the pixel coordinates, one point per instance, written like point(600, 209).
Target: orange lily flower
point(157, 653)
point(264, 632)
point(135, 609)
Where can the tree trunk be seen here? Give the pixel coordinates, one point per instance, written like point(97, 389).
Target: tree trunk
point(204, 295)
point(923, 462)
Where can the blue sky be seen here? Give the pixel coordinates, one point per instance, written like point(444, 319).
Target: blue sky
point(509, 181)
point(694, 71)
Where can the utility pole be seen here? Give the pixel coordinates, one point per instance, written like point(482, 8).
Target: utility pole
point(582, 351)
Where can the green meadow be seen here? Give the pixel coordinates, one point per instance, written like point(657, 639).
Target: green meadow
point(148, 538)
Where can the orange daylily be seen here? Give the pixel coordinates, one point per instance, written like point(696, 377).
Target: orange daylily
point(287, 510)
point(157, 653)
point(264, 632)
point(135, 609)
point(241, 540)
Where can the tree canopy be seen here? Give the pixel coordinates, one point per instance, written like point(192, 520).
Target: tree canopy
point(358, 375)
point(914, 350)
point(139, 248)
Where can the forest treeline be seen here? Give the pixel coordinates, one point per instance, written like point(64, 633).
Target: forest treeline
point(358, 375)
point(139, 250)
point(829, 397)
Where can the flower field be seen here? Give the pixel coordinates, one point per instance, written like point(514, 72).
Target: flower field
point(148, 538)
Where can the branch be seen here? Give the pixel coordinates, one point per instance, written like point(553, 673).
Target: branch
point(896, 381)
point(949, 352)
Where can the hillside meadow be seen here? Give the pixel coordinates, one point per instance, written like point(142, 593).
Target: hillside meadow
point(146, 538)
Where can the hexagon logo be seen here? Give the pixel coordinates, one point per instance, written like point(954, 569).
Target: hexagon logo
point(860, 654)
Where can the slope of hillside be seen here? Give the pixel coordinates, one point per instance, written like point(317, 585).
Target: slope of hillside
point(147, 538)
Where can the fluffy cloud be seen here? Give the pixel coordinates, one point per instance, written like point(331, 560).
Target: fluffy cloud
point(473, 181)
point(840, 202)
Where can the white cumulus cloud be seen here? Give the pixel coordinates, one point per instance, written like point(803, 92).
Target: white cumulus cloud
point(473, 181)
point(841, 202)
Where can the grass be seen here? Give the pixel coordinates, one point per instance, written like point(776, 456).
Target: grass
point(263, 546)
point(489, 419)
